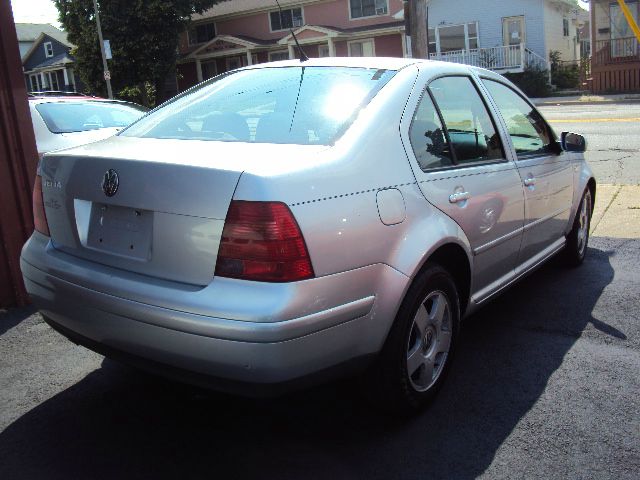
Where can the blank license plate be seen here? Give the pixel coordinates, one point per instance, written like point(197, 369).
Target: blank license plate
point(121, 230)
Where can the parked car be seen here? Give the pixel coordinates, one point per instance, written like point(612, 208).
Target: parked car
point(290, 221)
point(62, 120)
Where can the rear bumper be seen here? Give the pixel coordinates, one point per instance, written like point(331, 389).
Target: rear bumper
point(334, 325)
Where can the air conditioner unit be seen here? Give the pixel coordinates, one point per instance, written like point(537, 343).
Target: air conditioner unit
point(381, 11)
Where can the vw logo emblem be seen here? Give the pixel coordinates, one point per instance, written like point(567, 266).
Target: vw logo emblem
point(110, 183)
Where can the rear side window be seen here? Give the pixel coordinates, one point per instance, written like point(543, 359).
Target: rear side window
point(473, 135)
point(529, 132)
point(74, 116)
point(428, 138)
point(298, 105)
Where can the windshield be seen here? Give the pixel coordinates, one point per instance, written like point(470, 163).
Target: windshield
point(297, 105)
point(74, 116)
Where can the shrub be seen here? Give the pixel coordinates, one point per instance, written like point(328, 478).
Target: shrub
point(533, 81)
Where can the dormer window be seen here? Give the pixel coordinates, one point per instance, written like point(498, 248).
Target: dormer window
point(48, 50)
point(368, 8)
point(288, 18)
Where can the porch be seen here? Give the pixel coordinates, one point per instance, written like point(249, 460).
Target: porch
point(615, 66)
point(503, 59)
point(615, 56)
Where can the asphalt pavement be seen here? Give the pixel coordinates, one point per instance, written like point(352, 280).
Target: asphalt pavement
point(612, 130)
point(545, 385)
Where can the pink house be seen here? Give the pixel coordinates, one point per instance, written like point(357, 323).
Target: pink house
point(244, 32)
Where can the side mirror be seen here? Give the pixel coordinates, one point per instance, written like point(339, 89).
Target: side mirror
point(572, 142)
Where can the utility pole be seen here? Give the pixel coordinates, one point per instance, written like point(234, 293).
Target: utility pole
point(105, 68)
point(418, 28)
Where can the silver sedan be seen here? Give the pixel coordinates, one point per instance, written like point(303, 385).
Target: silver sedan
point(290, 221)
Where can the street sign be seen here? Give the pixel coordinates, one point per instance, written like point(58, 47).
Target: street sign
point(107, 75)
point(107, 50)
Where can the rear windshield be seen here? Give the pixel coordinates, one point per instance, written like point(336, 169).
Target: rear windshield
point(74, 116)
point(297, 105)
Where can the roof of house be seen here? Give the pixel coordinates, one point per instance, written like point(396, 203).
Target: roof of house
point(29, 32)
point(62, 59)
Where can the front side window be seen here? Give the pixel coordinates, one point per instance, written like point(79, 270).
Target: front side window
point(363, 48)
point(428, 138)
point(473, 135)
point(277, 56)
point(368, 8)
point(289, 18)
point(529, 133)
point(294, 105)
point(72, 116)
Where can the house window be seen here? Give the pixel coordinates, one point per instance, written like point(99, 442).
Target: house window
point(202, 33)
point(241, 61)
point(35, 82)
point(323, 51)
point(209, 69)
point(286, 19)
point(565, 27)
point(623, 42)
point(277, 56)
point(368, 8)
point(450, 38)
point(361, 48)
point(52, 78)
point(48, 50)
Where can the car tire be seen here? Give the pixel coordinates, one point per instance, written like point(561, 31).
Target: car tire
point(419, 348)
point(576, 247)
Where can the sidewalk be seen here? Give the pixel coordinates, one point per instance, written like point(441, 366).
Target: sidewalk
point(586, 99)
point(617, 211)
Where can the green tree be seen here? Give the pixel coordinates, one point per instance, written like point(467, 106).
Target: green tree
point(143, 36)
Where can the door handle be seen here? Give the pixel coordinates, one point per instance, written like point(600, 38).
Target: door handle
point(529, 182)
point(459, 197)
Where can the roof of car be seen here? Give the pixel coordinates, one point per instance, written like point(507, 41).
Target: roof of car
point(387, 63)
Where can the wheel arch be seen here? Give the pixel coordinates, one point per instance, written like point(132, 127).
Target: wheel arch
point(454, 259)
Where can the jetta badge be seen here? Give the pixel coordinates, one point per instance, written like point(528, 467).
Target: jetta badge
point(110, 183)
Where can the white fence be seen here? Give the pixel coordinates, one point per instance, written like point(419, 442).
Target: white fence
point(510, 58)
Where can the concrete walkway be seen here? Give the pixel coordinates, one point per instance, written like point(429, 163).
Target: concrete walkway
point(617, 211)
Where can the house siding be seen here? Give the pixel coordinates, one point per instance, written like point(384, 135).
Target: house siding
point(38, 56)
point(388, 46)
point(554, 32)
point(489, 15)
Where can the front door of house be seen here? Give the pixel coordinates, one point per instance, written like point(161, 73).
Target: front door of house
point(513, 30)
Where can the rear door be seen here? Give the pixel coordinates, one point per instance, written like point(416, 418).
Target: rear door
point(545, 170)
point(457, 154)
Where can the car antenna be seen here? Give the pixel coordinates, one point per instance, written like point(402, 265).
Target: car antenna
point(303, 56)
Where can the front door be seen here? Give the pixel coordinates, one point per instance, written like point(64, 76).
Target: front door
point(513, 31)
point(545, 171)
point(462, 170)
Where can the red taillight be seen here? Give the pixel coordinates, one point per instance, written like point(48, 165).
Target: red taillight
point(39, 217)
point(262, 241)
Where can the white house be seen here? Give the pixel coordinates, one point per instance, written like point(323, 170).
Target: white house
point(504, 35)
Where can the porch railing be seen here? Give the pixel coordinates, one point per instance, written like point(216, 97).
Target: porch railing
point(501, 58)
point(618, 50)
